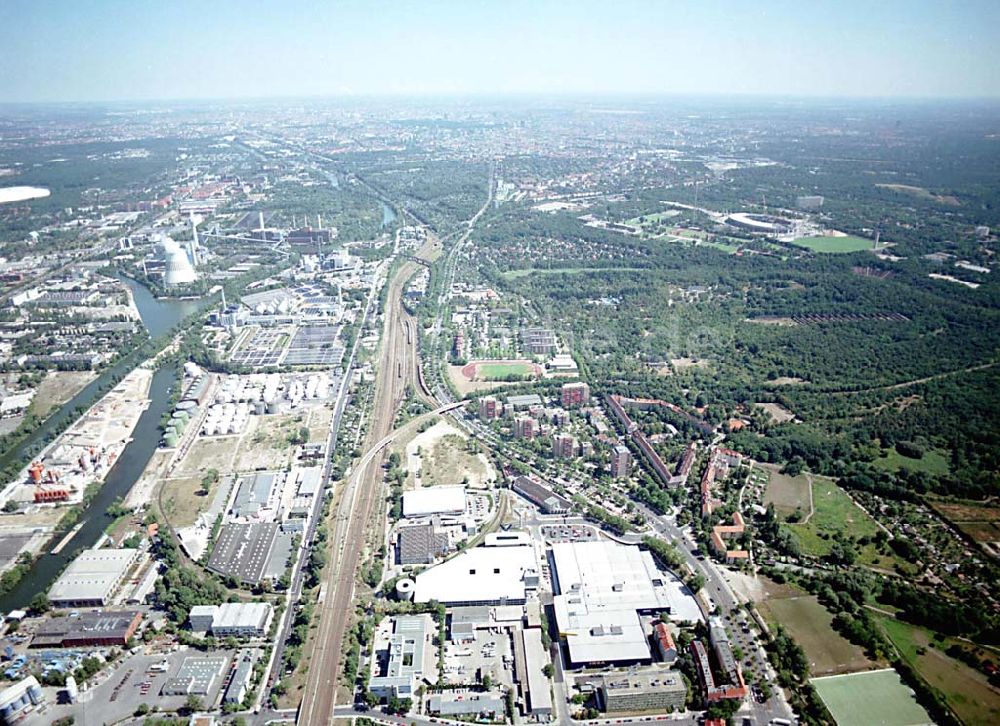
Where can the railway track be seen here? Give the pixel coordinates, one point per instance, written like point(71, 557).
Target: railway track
point(398, 368)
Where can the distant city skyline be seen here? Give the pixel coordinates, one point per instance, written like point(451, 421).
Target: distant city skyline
point(108, 50)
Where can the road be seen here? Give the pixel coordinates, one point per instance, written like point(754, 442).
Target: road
point(717, 588)
point(397, 368)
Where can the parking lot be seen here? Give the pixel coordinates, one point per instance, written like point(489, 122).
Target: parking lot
point(556, 533)
point(115, 695)
point(491, 654)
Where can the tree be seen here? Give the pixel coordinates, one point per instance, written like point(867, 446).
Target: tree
point(193, 703)
point(39, 604)
point(696, 582)
point(548, 670)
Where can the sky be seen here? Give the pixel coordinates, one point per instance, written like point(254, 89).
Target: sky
point(106, 50)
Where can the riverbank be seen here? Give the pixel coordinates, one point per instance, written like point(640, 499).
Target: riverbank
point(84, 453)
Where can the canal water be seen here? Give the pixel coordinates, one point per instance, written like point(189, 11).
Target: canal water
point(159, 316)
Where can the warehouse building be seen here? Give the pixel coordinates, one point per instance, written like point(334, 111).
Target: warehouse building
point(420, 544)
point(488, 706)
point(244, 551)
point(237, 619)
point(603, 588)
point(239, 684)
point(481, 576)
point(534, 682)
point(196, 676)
point(434, 500)
point(88, 630)
point(253, 494)
point(92, 578)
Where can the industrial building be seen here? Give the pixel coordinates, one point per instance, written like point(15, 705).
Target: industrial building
point(488, 706)
point(88, 630)
point(19, 699)
point(603, 587)
point(540, 495)
point(433, 500)
point(420, 544)
point(196, 676)
point(253, 494)
point(251, 552)
point(534, 683)
point(239, 684)
point(237, 619)
point(650, 691)
point(398, 669)
point(92, 578)
point(481, 576)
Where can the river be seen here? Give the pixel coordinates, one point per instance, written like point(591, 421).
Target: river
point(159, 316)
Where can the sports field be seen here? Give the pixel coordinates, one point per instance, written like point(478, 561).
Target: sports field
point(875, 698)
point(834, 244)
point(499, 371)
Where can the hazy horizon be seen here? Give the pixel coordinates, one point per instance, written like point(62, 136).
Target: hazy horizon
point(117, 51)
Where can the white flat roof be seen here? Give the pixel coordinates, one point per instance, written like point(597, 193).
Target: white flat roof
point(93, 575)
point(602, 587)
point(241, 615)
point(433, 500)
point(539, 696)
point(479, 575)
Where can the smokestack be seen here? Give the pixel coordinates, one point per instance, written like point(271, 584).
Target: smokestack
point(223, 299)
point(261, 217)
point(319, 222)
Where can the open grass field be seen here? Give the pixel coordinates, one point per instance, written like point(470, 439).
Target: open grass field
point(777, 412)
point(833, 511)
point(788, 494)
point(809, 623)
point(875, 698)
point(967, 691)
point(922, 193)
point(932, 462)
point(449, 463)
point(183, 501)
point(834, 245)
point(57, 388)
point(206, 454)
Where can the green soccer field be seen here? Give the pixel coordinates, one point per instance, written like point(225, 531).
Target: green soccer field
point(873, 698)
point(499, 371)
point(834, 244)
